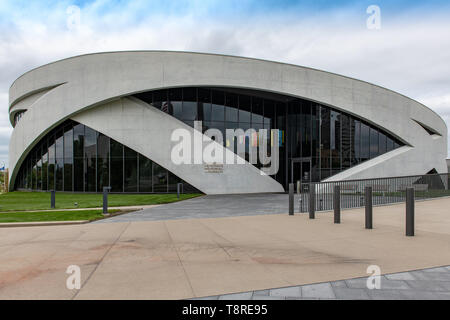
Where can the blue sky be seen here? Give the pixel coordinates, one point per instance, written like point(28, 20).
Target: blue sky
point(409, 53)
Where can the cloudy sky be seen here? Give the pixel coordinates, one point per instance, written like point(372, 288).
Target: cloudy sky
point(409, 53)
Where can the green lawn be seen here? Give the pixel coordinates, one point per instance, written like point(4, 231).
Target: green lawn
point(20, 201)
point(52, 215)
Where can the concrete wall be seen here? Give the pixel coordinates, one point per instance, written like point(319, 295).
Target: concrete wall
point(86, 82)
point(147, 130)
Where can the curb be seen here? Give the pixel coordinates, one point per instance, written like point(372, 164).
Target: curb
point(62, 223)
point(40, 224)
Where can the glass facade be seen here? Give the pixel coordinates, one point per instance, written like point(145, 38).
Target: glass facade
point(76, 158)
point(316, 142)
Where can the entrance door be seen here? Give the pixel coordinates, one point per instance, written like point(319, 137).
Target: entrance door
point(300, 171)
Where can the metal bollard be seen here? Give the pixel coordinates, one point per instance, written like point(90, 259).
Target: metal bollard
point(300, 204)
point(52, 199)
point(368, 201)
point(410, 212)
point(105, 199)
point(337, 204)
point(291, 199)
point(312, 200)
point(179, 190)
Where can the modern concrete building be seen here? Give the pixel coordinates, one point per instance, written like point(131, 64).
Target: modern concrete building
point(106, 119)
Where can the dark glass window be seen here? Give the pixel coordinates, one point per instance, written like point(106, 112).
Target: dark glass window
point(34, 175)
point(325, 128)
point(51, 163)
point(78, 140)
point(335, 127)
point(389, 144)
point(365, 142)
point(39, 168)
point(206, 111)
point(346, 134)
point(116, 150)
point(325, 173)
point(90, 155)
point(59, 166)
point(305, 128)
point(189, 104)
point(175, 104)
point(335, 141)
point(269, 113)
point(145, 174)
point(382, 143)
point(257, 110)
point(231, 109)
point(59, 151)
point(173, 181)
point(336, 164)
point(215, 125)
point(315, 171)
point(28, 169)
point(78, 174)
point(245, 108)
point(217, 108)
point(356, 143)
point(131, 170)
point(204, 100)
point(102, 162)
point(78, 160)
point(293, 131)
point(159, 98)
point(373, 143)
point(146, 96)
point(44, 165)
point(159, 178)
point(315, 131)
point(68, 158)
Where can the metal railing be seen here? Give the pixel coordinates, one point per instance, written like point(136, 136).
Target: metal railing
point(384, 191)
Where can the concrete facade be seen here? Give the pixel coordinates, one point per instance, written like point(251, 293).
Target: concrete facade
point(92, 88)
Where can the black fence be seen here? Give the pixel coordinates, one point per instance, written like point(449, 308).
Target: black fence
point(384, 191)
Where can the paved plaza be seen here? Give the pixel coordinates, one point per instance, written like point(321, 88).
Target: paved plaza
point(425, 284)
point(197, 257)
point(211, 206)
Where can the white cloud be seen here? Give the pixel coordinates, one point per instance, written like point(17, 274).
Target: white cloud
point(407, 55)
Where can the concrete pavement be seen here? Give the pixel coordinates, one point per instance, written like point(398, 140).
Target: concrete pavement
point(188, 258)
point(424, 284)
point(212, 206)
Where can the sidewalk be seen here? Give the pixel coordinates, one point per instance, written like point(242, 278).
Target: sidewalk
point(425, 284)
point(202, 257)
